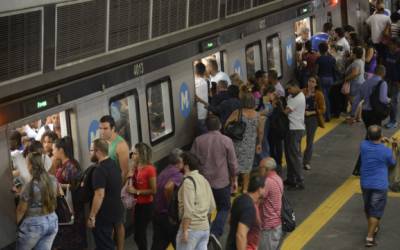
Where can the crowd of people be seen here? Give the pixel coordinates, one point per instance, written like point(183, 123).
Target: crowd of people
point(243, 130)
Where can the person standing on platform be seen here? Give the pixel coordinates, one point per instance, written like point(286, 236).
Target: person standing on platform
point(219, 165)
point(106, 209)
point(118, 151)
point(202, 92)
point(323, 36)
point(296, 106)
point(245, 223)
point(376, 158)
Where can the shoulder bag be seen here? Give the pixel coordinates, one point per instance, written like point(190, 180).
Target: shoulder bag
point(65, 209)
point(235, 129)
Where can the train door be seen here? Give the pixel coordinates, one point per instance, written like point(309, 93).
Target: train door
point(304, 29)
point(254, 60)
point(274, 54)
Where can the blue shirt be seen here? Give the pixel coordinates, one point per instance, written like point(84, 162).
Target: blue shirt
point(317, 39)
point(375, 160)
point(366, 90)
point(326, 66)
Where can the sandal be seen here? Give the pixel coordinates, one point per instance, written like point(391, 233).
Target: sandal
point(369, 242)
point(377, 229)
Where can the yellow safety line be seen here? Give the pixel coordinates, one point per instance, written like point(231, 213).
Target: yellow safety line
point(313, 223)
point(310, 226)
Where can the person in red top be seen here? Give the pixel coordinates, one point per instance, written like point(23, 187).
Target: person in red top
point(270, 206)
point(144, 188)
point(309, 58)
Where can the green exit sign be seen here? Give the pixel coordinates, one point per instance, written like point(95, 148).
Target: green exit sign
point(209, 44)
point(304, 10)
point(41, 104)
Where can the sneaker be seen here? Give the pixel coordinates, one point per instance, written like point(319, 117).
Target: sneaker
point(307, 167)
point(370, 242)
point(391, 125)
point(296, 187)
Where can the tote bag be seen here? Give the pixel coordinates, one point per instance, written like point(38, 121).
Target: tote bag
point(65, 208)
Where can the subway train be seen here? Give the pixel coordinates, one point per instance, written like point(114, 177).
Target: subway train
point(73, 61)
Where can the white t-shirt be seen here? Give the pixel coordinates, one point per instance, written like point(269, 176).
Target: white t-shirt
point(220, 76)
point(344, 44)
point(378, 23)
point(20, 164)
point(202, 92)
point(297, 105)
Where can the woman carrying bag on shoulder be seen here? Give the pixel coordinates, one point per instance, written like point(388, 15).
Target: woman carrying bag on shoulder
point(38, 223)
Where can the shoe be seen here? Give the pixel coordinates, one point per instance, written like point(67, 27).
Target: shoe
point(213, 243)
point(296, 187)
point(307, 167)
point(288, 183)
point(370, 242)
point(391, 125)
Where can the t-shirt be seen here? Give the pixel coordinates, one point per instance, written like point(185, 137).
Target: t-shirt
point(317, 39)
point(342, 46)
point(35, 200)
point(253, 236)
point(375, 160)
point(395, 29)
point(170, 173)
point(297, 104)
point(279, 90)
point(326, 66)
point(220, 76)
point(359, 64)
point(19, 163)
point(202, 92)
point(243, 211)
point(141, 180)
point(378, 23)
point(108, 176)
point(392, 64)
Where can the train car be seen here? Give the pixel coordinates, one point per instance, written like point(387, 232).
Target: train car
point(75, 61)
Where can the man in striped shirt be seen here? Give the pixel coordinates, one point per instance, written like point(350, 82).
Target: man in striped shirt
point(270, 206)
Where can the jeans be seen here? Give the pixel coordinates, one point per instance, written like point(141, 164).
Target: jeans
point(142, 217)
point(37, 232)
point(222, 199)
point(270, 238)
point(293, 156)
point(103, 237)
point(311, 127)
point(374, 202)
point(164, 232)
point(394, 96)
point(198, 240)
point(326, 84)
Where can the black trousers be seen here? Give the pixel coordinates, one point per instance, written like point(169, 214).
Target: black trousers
point(276, 150)
point(103, 237)
point(142, 218)
point(164, 233)
point(369, 118)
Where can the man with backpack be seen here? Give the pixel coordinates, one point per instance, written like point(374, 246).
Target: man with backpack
point(375, 108)
point(195, 203)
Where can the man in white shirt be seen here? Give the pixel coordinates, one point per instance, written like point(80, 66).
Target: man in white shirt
point(296, 106)
point(202, 92)
point(215, 74)
point(379, 22)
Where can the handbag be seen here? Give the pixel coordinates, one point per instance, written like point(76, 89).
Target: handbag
point(235, 129)
point(346, 88)
point(65, 209)
point(128, 200)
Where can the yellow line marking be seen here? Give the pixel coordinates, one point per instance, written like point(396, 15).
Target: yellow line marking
point(319, 217)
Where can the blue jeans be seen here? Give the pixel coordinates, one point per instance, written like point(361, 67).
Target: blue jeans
point(222, 199)
point(198, 240)
point(326, 84)
point(37, 232)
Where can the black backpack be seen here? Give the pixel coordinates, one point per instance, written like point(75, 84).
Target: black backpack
point(84, 192)
point(380, 109)
point(173, 207)
point(279, 122)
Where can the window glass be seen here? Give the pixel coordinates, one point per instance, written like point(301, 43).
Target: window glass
point(159, 109)
point(253, 59)
point(125, 113)
point(274, 54)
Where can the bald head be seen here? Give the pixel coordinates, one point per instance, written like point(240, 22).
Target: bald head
point(374, 133)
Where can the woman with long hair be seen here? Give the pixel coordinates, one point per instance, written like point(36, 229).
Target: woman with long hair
point(38, 223)
point(314, 115)
point(144, 187)
point(67, 174)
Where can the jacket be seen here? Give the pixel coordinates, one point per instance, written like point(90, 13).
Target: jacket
point(320, 106)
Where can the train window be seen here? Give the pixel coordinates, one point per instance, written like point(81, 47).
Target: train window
point(253, 58)
point(125, 111)
point(274, 54)
point(159, 107)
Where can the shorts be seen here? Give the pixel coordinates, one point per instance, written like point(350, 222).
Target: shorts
point(374, 202)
